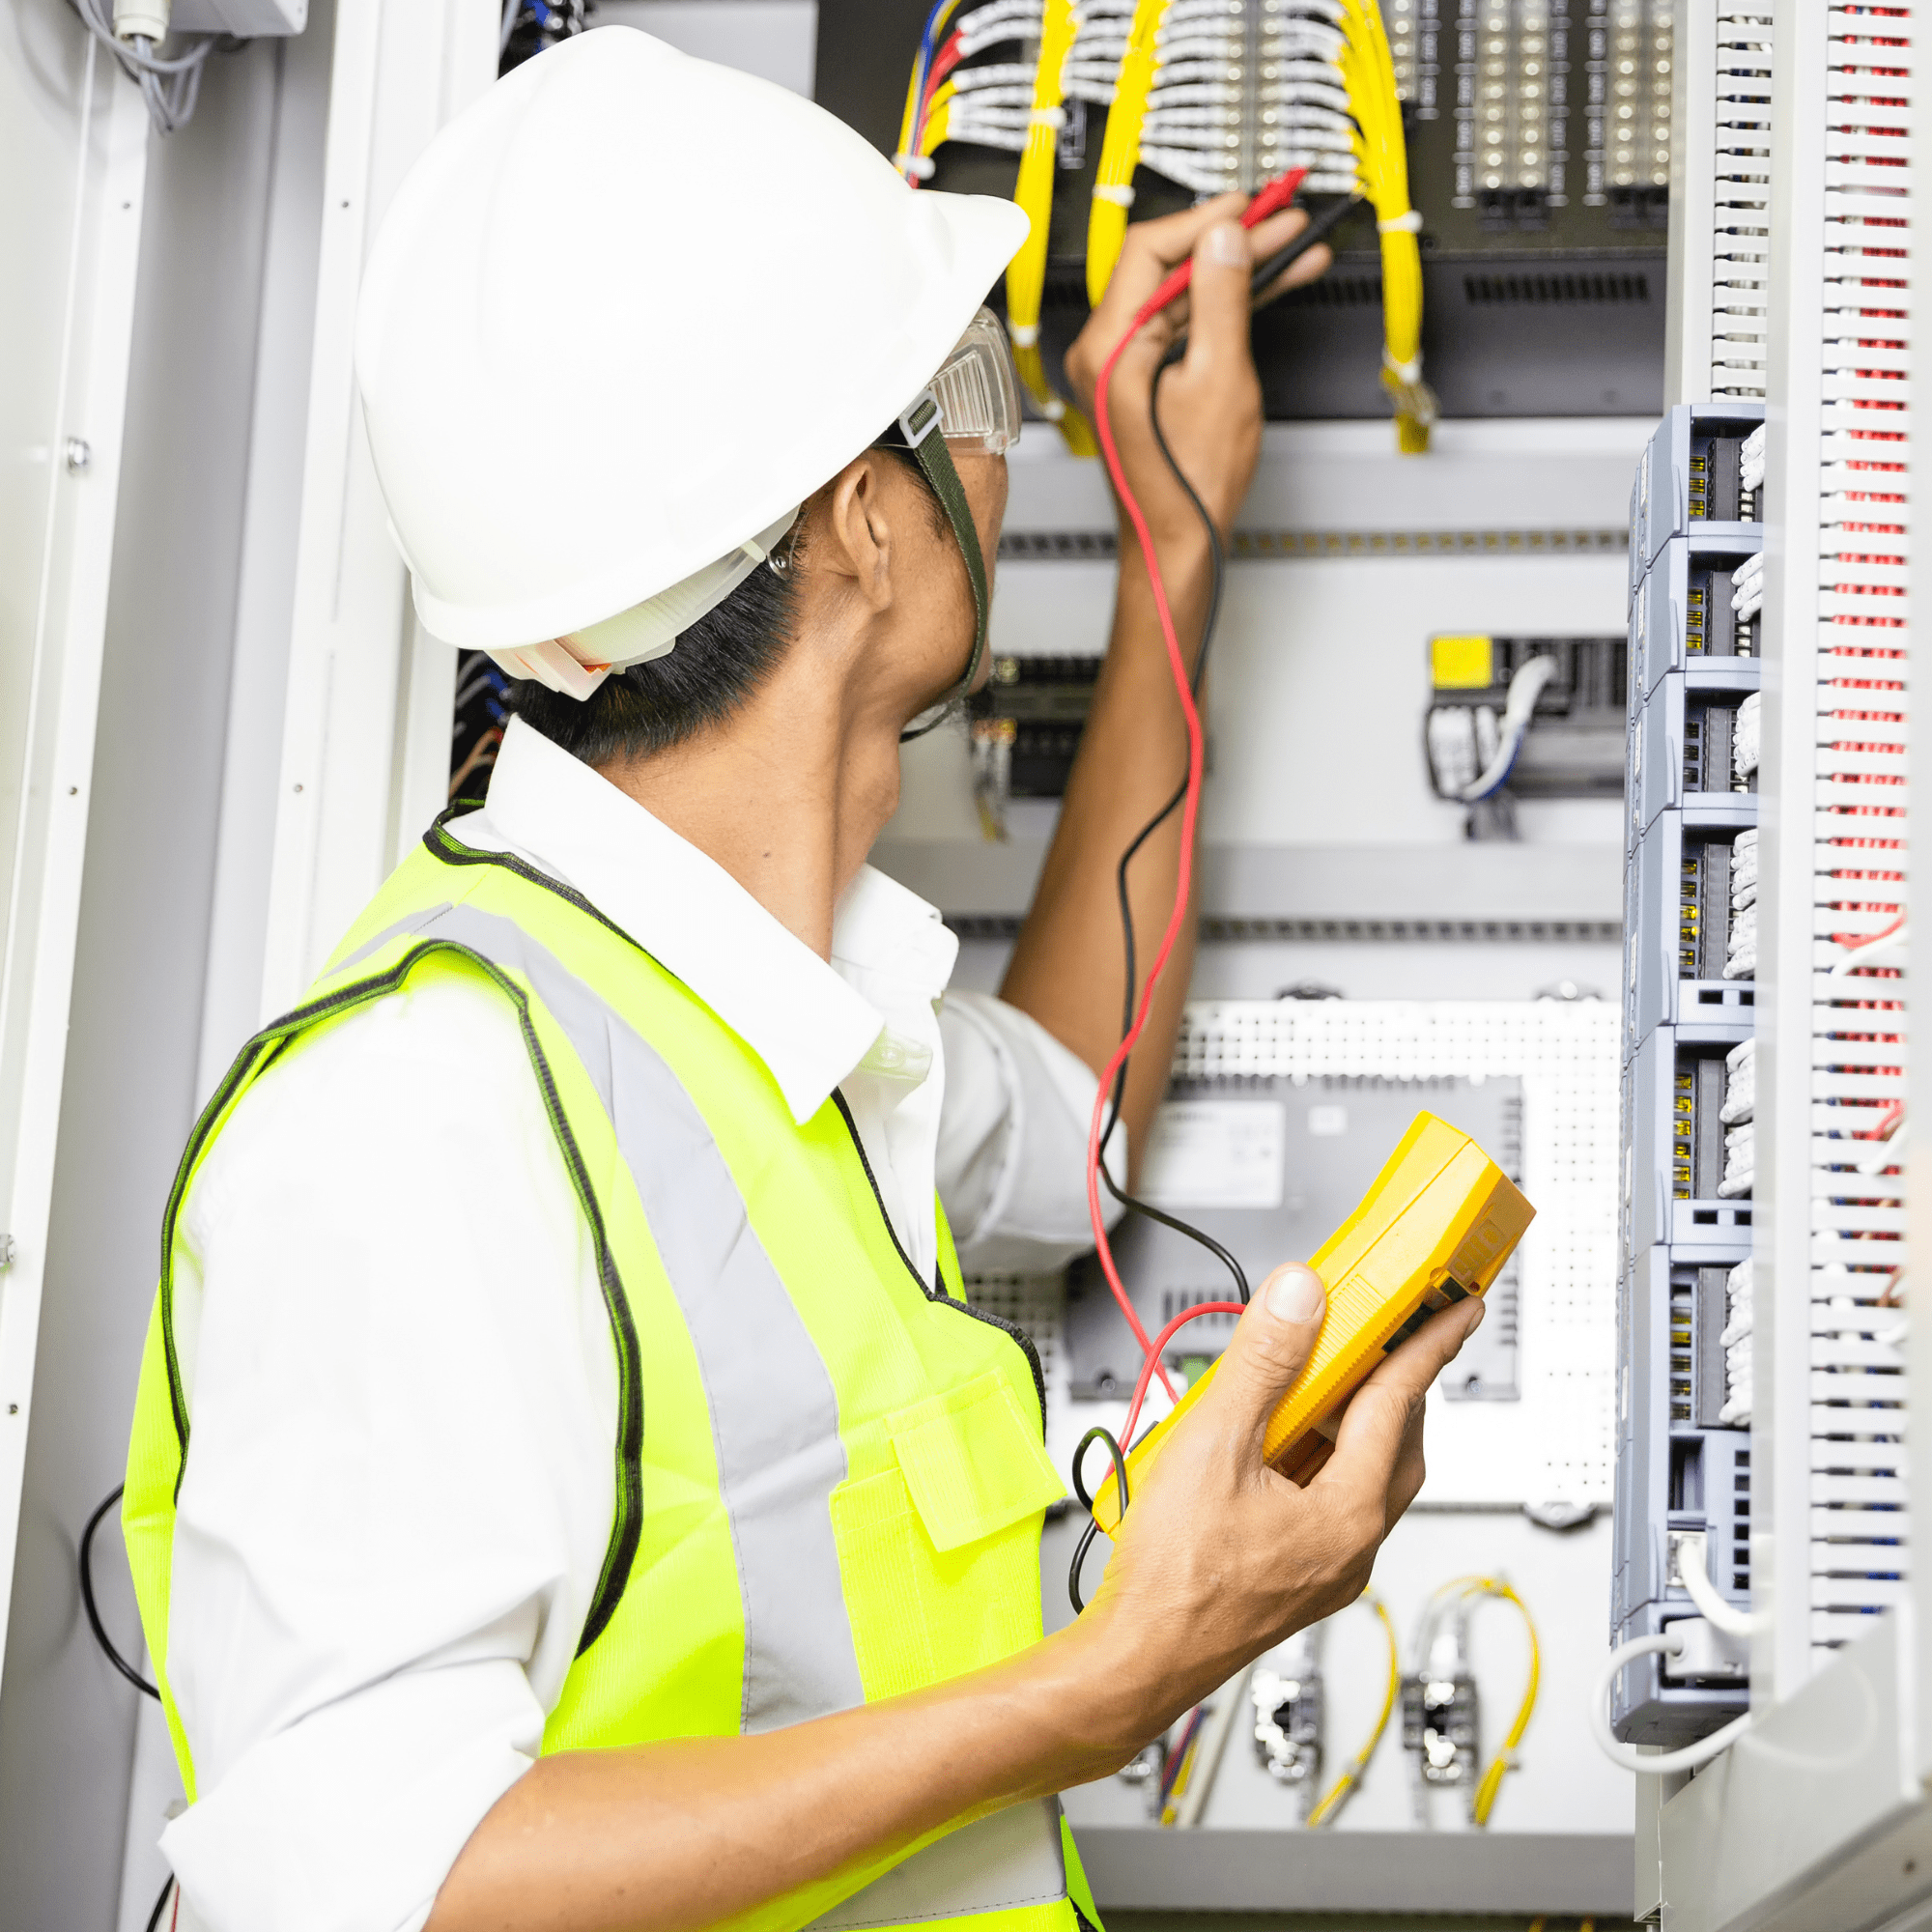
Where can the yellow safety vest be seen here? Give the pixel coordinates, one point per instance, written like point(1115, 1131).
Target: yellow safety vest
point(829, 1479)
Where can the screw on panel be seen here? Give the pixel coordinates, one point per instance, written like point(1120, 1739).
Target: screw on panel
point(79, 454)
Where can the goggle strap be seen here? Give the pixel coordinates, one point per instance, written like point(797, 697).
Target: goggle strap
point(935, 460)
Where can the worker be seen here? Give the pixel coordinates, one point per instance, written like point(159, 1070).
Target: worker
point(569, 1488)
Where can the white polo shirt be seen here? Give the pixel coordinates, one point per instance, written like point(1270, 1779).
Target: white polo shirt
point(400, 1369)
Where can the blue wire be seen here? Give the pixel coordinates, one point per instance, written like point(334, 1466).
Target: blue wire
point(924, 65)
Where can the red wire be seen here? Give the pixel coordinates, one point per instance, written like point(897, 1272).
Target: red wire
point(1277, 194)
point(1166, 1335)
point(943, 64)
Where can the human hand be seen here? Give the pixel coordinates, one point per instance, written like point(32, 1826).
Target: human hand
point(1219, 1557)
point(1210, 401)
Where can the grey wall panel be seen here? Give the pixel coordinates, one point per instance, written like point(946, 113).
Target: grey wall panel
point(66, 1724)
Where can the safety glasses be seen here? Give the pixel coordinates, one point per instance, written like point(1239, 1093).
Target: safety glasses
point(976, 393)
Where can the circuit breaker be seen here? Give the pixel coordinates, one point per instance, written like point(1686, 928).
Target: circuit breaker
point(1689, 1019)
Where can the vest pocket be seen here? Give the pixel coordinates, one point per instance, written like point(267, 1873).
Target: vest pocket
point(940, 1556)
point(971, 1461)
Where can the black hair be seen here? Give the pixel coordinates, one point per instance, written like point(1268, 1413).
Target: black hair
point(720, 662)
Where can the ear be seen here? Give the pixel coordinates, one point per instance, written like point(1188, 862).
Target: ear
point(855, 539)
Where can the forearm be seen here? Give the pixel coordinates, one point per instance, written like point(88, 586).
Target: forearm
point(1069, 963)
point(694, 1832)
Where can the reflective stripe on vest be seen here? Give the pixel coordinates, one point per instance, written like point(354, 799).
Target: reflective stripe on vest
point(805, 1526)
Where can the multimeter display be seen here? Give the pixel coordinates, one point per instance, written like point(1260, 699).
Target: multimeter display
point(1437, 1226)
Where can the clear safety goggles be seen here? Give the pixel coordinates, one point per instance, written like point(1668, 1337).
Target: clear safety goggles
point(977, 391)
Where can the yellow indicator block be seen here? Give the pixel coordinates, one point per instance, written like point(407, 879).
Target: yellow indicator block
point(1462, 663)
point(1435, 1228)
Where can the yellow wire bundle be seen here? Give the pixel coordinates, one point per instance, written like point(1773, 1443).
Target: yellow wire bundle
point(1025, 273)
point(1382, 160)
point(1032, 193)
point(1381, 165)
point(1120, 148)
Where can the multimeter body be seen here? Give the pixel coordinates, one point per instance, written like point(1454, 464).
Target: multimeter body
point(1435, 1228)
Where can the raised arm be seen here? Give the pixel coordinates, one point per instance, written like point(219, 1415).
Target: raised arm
point(1068, 967)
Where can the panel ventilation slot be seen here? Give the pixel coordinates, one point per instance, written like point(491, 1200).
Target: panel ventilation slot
point(1741, 219)
point(1859, 1527)
point(1542, 291)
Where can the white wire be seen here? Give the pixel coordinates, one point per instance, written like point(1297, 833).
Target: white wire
point(1525, 688)
point(1661, 1763)
point(169, 84)
point(1715, 1611)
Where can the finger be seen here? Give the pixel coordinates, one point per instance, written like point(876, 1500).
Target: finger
point(1154, 249)
point(1382, 1410)
point(1218, 322)
point(1300, 273)
point(1269, 1349)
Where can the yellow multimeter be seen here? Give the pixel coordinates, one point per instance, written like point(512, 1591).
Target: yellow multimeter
point(1435, 1228)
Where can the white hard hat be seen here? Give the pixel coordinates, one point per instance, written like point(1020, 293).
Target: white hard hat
point(623, 316)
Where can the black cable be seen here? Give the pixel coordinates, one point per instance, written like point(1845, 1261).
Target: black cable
point(1093, 1528)
point(1107, 1437)
point(1285, 257)
point(160, 1905)
point(93, 1609)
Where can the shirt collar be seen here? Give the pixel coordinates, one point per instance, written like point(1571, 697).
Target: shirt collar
point(810, 1022)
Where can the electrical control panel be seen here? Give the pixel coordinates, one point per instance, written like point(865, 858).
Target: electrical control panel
point(1539, 136)
point(1689, 1044)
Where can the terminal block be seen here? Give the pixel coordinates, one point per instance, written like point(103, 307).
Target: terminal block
point(1442, 1717)
point(1683, 1471)
point(1690, 610)
point(1679, 1152)
point(1684, 938)
point(1689, 1070)
point(1689, 481)
point(1286, 1692)
point(1043, 702)
point(1686, 752)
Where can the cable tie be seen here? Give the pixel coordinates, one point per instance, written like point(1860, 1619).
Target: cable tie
point(1406, 373)
point(1402, 224)
point(1120, 193)
point(1024, 334)
point(1047, 116)
point(922, 166)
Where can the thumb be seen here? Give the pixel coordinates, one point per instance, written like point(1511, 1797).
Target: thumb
point(1270, 1347)
point(1217, 321)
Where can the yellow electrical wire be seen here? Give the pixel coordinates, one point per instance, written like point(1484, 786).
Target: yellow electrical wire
point(1120, 148)
point(1332, 1801)
point(1492, 1782)
point(1382, 156)
point(1032, 191)
point(1505, 1758)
